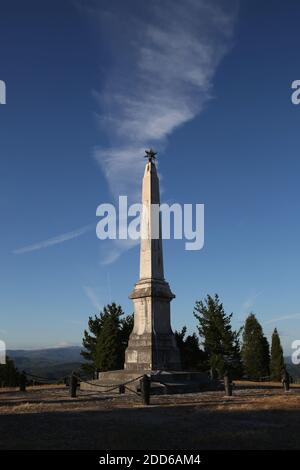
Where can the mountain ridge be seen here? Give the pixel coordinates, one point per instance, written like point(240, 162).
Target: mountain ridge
point(51, 363)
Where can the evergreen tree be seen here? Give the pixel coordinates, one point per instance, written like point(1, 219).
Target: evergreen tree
point(277, 361)
point(221, 343)
point(96, 343)
point(9, 375)
point(255, 349)
point(108, 347)
point(126, 327)
point(192, 357)
point(89, 340)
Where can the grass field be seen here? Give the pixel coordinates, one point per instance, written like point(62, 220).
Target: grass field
point(257, 416)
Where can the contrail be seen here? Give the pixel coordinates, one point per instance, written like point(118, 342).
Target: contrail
point(92, 296)
point(285, 317)
point(55, 240)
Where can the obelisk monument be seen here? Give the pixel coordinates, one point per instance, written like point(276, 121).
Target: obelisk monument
point(152, 345)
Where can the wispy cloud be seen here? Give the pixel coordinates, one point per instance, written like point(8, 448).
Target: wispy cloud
point(172, 52)
point(282, 318)
point(249, 302)
point(93, 297)
point(164, 57)
point(55, 240)
point(118, 248)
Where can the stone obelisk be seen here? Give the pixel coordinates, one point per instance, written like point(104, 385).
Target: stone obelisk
point(152, 344)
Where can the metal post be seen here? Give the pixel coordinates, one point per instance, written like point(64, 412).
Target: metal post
point(227, 385)
point(145, 384)
point(22, 382)
point(73, 385)
point(286, 385)
point(285, 379)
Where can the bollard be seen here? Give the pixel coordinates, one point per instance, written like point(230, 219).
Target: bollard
point(121, 389)
point(286, 385)
point(73, 385)
point(285, 379)
point(22, 382)
point(227, 385)
point(67, 381)
point(145, 384)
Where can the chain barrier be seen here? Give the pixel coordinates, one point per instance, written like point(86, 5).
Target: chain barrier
point(47, 379)
point(115, 387)
point(76, 379)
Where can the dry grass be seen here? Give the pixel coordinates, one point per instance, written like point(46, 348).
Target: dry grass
point(263, 418)
point(31, 388)
point(248, 383)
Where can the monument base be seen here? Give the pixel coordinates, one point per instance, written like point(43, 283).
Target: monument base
point(162, 382)
point(152, 344)
point(150, 351)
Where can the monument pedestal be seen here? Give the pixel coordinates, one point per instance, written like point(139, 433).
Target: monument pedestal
point(162, 382)
point(152, 345)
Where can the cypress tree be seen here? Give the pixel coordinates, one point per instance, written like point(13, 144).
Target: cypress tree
point(255, 349)
point(277, 361)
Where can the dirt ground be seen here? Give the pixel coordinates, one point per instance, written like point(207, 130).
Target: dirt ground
point(257, 416)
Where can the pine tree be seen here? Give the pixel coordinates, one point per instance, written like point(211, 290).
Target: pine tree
point(119, 329)
point(9, 375)
point(108, 347)
point(192, 356)
point(221, 343)
point(277, 361)
point(255, 349)
point(89, 341)
point(126, 327)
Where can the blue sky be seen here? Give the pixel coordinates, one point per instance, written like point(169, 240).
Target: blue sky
point(90, 84)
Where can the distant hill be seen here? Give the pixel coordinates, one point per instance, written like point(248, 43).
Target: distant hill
point(52, 363)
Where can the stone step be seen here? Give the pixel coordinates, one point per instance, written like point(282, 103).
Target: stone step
point(165, 382)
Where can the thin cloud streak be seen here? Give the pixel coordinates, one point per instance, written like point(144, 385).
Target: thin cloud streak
point(55, 240)
point(120, 246)
point(93, 297)
point(249, 303)
point(283, 318)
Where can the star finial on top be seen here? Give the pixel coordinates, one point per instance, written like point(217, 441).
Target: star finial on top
point(151, 155)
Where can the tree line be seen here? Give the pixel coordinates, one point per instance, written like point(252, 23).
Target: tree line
point(215, 347)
